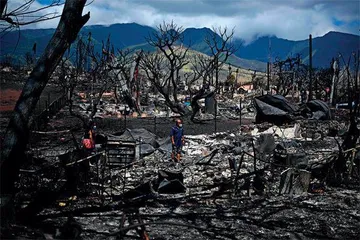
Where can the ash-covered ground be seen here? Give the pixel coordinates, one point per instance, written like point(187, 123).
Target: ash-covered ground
point(228, 185)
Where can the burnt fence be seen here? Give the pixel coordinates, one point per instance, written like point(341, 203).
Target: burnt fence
point(161, 126)
point(48, 111)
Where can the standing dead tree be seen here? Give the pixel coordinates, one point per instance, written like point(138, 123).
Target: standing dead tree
point(88, 64)
point(257, 80)
point(125, 67)
point(17, 133)
point(202, 69)
point(351, 81)
point(353, 99)
point(101, 75)
point(221, 48)
point(72, 74)
point(163, 67)
point(356, 83)
point(221, 45)
point(322, 83)
point(286, 71)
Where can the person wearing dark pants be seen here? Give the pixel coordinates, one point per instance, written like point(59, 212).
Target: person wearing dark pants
point(177, 140)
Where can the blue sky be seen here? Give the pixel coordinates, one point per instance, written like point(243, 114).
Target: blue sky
point(291, 19)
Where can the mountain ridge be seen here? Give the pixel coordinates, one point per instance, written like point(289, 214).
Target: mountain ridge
point(132, 35)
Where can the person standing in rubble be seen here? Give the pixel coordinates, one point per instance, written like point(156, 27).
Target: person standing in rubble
point(89, 142)
point(177, 140)
point(89, 138)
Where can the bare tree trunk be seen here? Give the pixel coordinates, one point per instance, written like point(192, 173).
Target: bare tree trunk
point(357, 90)
point(2, 6)
point(332, 89)
point(194, 101)
point(17, 134)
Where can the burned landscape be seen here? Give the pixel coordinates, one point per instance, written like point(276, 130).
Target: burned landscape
point(257, 181)
point(88, 135)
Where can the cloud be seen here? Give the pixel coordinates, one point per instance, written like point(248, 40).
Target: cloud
point(293, 20)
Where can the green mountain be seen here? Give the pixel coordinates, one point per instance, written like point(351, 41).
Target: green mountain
point(194, 38)
point(122, 35)
point(324, 48)
point(132, 35)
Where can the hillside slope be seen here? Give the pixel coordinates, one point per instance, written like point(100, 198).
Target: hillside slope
point(253, 55)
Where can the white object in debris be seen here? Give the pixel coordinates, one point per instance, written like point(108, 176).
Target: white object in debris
point(293, 132)
point(255, 132)
point(226, 173)
point(193, 152)
point(84, 106)
point(197, 137)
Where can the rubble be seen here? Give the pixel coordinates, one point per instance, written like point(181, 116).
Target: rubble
point(257, 181)
point(278, 110)
point(289, 133)
point(320, 110)
point(274, 108)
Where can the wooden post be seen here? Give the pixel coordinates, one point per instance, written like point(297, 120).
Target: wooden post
point(215, 115)
point(240, 112)
point(216, 91)
point(254, 149)
point(310, 68)
point(268, 77)
point(332, 93)
point(49, 99)
point(155, 125)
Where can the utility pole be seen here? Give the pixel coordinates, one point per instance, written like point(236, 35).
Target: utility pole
point(235, 83)
point(268, 77)
point(269, 65)
point(293, 85)
point(217, 89)
point(335, 69)
point(310, 67)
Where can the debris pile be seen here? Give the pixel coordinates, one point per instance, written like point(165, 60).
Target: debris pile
point(278, 110)
point(269, 182)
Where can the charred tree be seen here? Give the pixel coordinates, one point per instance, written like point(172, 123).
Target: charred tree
point(202, 68)
point(203, 93)
point(285, 71)
point(17, 134)
point(163, 67)
point(219, 42)
point(125, 67)
point(310, 69)
point(98, 67)
point(221, 48)
point(221, 45)
point(14, 18)
point(70, 75)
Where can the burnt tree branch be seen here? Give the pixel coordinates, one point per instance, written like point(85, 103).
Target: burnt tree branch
point(17, 134)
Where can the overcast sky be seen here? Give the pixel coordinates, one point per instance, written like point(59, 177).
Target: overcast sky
point(290, 19)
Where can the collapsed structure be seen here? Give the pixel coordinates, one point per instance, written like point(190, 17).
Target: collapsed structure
point(294, 176)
